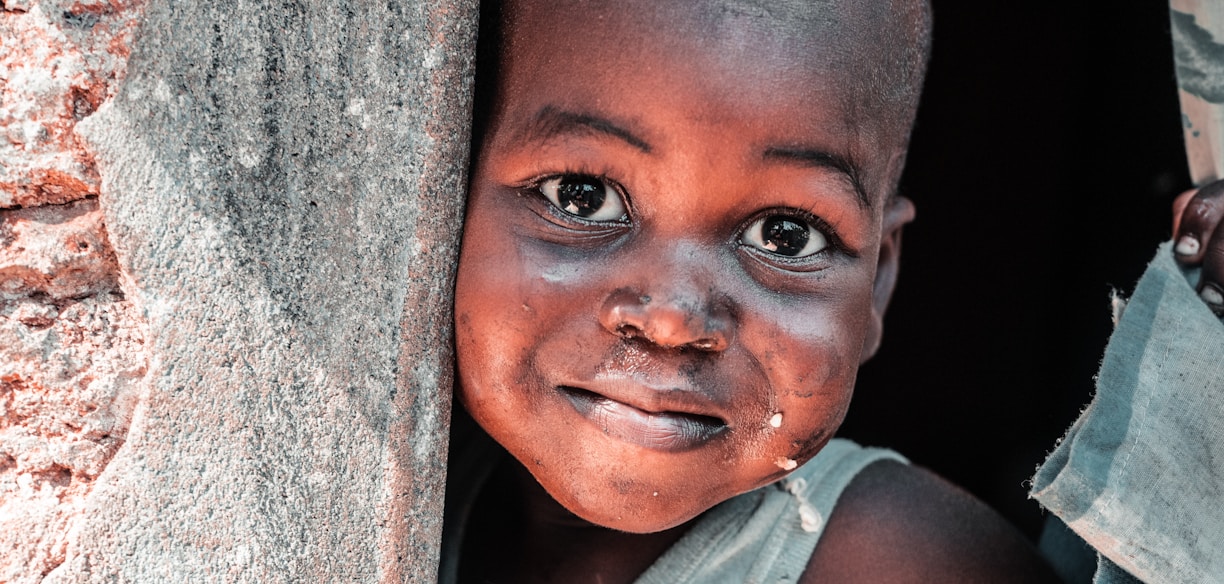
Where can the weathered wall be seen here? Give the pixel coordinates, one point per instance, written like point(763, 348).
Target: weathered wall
point(225, 310)
point(71, 344)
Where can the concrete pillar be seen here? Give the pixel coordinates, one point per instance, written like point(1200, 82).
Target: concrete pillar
point(225, 287)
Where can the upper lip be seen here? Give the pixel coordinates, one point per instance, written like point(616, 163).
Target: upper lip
point(654, 395)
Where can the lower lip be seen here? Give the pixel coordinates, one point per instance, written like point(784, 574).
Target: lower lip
point(668, 431)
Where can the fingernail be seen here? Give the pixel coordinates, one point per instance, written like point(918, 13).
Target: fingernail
point(1187, 245)
point(1211, 295)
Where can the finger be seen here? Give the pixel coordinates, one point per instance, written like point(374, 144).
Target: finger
point(1211, 282)
point(1179, 207)
point(1197, 222)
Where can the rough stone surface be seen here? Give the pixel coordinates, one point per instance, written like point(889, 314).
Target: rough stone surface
point(70, 375)
point(55, 252)
point(59, 61)
point(225, 296)
point(72, 357)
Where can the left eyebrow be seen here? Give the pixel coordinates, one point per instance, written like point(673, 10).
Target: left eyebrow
point(552, 121)
point(821, 159)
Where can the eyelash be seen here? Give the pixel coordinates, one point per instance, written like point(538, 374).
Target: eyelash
point(532, 187)
point(807, 215)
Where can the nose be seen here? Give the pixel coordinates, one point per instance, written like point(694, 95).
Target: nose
point(674, 319)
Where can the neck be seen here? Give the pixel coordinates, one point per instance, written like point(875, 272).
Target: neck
point(531, 538)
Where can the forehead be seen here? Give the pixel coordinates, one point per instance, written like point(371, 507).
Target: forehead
point(814, 61)
point(836, 31)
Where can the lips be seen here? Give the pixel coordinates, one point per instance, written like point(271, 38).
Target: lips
point(659, 420)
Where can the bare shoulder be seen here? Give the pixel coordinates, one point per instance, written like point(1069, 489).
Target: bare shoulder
point(900, 523)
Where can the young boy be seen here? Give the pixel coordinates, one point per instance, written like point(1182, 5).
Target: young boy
point(681, 238)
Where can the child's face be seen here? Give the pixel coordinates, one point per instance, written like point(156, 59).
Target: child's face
point(678, 247)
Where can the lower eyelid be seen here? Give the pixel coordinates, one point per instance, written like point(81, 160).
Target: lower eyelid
point(795, 267)
point(546, 211)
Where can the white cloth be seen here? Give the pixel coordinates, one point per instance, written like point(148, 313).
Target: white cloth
point(1140, 475)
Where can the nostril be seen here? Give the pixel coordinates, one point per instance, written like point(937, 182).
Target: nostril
point(682, 322)
point(628, 331)
point(709, 344)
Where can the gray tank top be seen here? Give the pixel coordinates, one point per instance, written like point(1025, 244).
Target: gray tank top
point(765, 536)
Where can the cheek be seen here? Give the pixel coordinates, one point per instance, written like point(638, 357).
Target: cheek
point(511, 299)
point(489, 331)
point(811, 361)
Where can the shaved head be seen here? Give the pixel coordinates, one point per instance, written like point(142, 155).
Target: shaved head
point(878, 49)
point(885, 44)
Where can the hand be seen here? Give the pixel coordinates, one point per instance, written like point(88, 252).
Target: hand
point(1198, 239)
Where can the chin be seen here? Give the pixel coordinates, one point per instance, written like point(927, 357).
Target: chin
point(631, 517)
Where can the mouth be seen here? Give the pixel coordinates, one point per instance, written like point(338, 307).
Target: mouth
point(670, 431)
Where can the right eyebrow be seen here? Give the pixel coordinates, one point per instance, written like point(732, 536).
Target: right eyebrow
point(817, 158)
point(552, 121)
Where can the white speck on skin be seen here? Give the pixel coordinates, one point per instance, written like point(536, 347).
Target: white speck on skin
point(785, 463)
point(776, 420)
point(656, 494)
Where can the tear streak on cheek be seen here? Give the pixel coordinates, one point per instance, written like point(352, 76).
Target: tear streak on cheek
point(559, 273)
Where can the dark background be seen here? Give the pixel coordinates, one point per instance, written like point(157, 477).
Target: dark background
point(1047, 151)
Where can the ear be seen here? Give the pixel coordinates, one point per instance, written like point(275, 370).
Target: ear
point(898, 212)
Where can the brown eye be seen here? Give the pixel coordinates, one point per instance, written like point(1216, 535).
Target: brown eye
point(584, 196)
point(785, 236)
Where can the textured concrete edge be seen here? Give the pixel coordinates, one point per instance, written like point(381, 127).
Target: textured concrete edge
point(415, 457)
point(420, 432)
